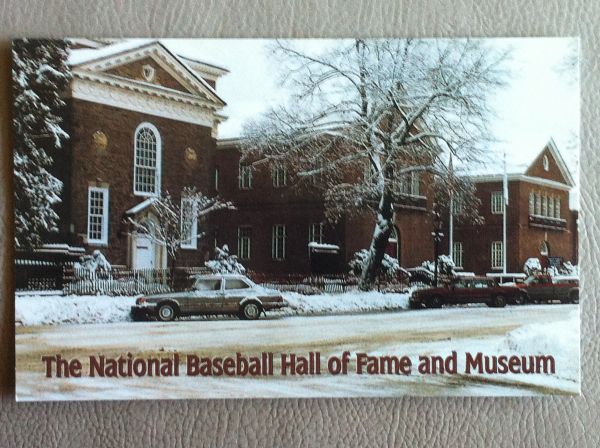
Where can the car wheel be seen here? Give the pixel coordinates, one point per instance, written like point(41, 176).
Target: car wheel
point(435, 302)
point(521, 299)
point(166, 312)
point(250, 311)
point(574, 298)
point(499, 302)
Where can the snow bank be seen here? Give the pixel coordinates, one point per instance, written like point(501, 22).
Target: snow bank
point(340, 303)
point(54, 310)
point(561, 339)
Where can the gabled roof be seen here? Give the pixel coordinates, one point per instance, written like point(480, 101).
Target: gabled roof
point(522, 172)
point(141, 206)
point(113, 55)
point(560, 162)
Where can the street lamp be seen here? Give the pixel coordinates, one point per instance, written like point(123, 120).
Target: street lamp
point(437, 235)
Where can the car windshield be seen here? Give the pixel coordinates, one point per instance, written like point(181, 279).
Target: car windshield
point(207, 285)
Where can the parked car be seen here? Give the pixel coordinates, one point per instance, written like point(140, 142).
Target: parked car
point(544, 288)
point(229, 294)
point(466, 290)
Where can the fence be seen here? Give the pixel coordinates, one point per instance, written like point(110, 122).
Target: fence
point(35, 275)
point(120, 281)
point(306, 284)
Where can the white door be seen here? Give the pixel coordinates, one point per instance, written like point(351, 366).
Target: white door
point(145, 253)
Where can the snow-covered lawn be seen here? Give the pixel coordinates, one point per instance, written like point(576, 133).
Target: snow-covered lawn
point(43, 309)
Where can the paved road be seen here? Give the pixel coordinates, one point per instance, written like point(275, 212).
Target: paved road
point(408, 333)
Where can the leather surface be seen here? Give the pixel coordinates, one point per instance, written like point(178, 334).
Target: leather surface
point(449, 422)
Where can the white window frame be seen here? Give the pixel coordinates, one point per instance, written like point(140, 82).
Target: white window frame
point(193, 242)
point(496, 250)
point(278, 242)
point(158, 165)
point(316, 229)
point(242, 255)
point(497, 203)
point(105, 203)
point(458, 254)
point(279, 175)
point(245, 176)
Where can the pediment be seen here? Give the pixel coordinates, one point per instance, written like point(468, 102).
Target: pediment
point(550, 165)
point(150, 64)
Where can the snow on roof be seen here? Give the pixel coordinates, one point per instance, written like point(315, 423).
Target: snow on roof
point(84, 56)
point(141, 206)
point(320, 247)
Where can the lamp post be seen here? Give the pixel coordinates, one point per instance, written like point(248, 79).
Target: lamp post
point(437, 235)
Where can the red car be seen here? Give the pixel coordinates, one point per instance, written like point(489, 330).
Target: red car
point(466, 290)
point(544, 288)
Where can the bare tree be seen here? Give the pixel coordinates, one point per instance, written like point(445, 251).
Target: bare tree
point(175, 220)
point(369, 114)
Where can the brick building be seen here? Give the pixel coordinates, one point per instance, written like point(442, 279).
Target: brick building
point(539, 221)
point(144, 120)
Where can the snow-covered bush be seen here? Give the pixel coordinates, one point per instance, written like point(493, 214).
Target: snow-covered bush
point(532, 266)
point(446, 265)
point(390, 267)
point(92, 265)
point(225, 263)
point(569, 268)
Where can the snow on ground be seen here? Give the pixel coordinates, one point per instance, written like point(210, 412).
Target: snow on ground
point(40, 309)
point(53, 310)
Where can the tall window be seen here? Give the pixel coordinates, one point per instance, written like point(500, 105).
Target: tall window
point(497, 255)
point(497, 200)
point(189, 224)
point(245, 176)
point(410, 183)
point(557, 208)
point(97, 229)
point(544, 205)
point(278, 242)
point(315, 232)
point(538, 204)
point(279, 174)
point(146, 176)
point(458, 254)
point(244, 242)
point(531, 203)
point(551, 206)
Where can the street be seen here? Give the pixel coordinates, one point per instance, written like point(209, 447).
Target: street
point(402, 333)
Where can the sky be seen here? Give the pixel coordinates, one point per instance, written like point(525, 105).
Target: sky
point(539, 102)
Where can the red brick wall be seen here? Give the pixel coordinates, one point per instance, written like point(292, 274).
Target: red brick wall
point(114, 166)
point(133, 71)
point(523, 240)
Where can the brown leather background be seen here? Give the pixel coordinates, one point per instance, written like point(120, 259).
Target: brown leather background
point(450, 422)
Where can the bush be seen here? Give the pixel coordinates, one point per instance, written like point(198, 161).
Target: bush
point(225, 263)
point(390, 267)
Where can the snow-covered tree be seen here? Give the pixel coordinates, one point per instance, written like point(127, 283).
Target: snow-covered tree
point(532, 266)
point(369, 116)
point(446, 266)
point(390, 267)
point(40, 75)
point(174, 219)
point(91, 265)
point(225, 263)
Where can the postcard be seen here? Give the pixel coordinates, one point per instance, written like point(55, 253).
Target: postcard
point(238, 218)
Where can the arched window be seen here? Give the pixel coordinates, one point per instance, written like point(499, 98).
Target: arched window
point(146, 174)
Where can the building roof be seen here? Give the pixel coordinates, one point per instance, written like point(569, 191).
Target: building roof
point(94, 57)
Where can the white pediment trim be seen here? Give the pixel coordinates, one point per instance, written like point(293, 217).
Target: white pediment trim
point(138, 100)
point(167, 60)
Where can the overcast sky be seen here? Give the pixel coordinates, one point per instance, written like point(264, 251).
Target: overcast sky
point(539, 103)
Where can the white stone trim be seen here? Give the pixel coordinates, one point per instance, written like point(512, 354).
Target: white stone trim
point(523, 178)
point(139, 101)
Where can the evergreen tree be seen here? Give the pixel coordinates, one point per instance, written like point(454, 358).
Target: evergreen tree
point(40, 75)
